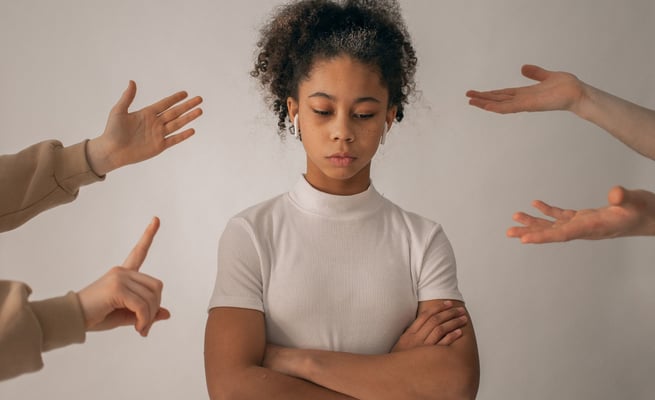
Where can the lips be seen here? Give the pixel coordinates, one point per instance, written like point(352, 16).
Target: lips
point(341, 159)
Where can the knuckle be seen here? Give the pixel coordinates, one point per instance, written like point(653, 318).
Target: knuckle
point(115, 271)
point(114, 277)
point(142, 309)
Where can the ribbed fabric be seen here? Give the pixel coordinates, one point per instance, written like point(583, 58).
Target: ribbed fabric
point(341, 273)
point(40, 177)
point(37, 178)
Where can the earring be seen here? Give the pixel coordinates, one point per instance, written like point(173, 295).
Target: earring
point(293, 129)
point(384, 133)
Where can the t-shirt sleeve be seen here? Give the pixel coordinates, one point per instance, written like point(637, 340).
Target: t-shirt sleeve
point(238, 277)
point(438, 270)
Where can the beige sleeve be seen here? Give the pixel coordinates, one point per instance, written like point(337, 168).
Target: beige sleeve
point(29, 328)
point(40, 177)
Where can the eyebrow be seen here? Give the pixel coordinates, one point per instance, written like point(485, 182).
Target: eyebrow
point(332, 98)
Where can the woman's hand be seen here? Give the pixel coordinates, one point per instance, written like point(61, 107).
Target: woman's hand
point(435, 326)
point(125, 296)
point(629, 213)
point(555, 91)
point(130, 137)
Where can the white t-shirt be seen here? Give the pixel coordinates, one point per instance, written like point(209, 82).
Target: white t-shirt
point(339, 273)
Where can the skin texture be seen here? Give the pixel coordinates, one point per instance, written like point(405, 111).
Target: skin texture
point(418, 372)
point(131, 137)
point(342, 108)
point(240, 364)
point(440, 324)
point(125, 296)
point(629, 212)
point(45, 175)
point(342, 111)
point(555, 91)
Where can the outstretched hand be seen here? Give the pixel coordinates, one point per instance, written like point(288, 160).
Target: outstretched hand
point(629, 213)
point(125, 296)
point(555, 91)
point(131, 137)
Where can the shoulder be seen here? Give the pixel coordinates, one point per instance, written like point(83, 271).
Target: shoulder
point(262, 209)
point(416, 224)
point(259, 217)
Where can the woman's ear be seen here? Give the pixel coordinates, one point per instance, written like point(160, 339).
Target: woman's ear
point(292, 112)
point(292, 107)
point(391, 116)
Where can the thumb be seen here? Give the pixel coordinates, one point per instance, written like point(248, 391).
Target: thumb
point(140, 250)
point(162, 315)
point(535, 72)
point(618, 195)
point(126, 99)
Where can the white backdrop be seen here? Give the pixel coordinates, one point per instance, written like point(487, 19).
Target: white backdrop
point(562, 321)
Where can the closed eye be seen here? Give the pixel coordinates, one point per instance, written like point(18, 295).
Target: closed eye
point(321, 112)
point(363, 116)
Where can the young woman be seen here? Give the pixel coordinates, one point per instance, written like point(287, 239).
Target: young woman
point(330, 291)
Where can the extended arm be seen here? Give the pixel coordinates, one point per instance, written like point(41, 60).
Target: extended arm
point(629, 213)
point(123, 296)
point(424, 372)
point(632, 124)
point(235, 342)
point(47, 174)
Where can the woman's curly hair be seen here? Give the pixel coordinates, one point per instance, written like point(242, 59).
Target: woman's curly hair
point(370, 31)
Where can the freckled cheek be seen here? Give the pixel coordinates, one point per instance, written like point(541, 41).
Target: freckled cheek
point(313, 126)
point(314, 136)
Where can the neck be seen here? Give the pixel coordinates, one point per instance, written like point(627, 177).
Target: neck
point(341, 187)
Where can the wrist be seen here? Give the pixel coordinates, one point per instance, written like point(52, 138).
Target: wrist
point(298, 363)
point(583, 104)
point(98, 156)
point(84, 306)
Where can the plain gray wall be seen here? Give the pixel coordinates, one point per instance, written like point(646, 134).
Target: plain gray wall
point(562, 321)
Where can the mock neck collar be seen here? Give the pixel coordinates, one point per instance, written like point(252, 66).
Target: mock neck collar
point(312, 200)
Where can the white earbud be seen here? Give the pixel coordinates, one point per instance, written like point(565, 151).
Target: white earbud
point(384, 133)
point(295, 132)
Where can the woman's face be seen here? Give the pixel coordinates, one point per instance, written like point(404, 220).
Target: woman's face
point(342, 108)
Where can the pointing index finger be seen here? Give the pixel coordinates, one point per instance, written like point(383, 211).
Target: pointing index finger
point(140, 250)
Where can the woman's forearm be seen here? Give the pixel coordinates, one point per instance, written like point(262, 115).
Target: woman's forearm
point(262, 383)
point(631, 123)
point(234, 347)
point(428, 372)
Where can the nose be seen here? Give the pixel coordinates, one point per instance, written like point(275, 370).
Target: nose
point(342, 131)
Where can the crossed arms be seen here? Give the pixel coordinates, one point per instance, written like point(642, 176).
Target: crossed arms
point(436, 358)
